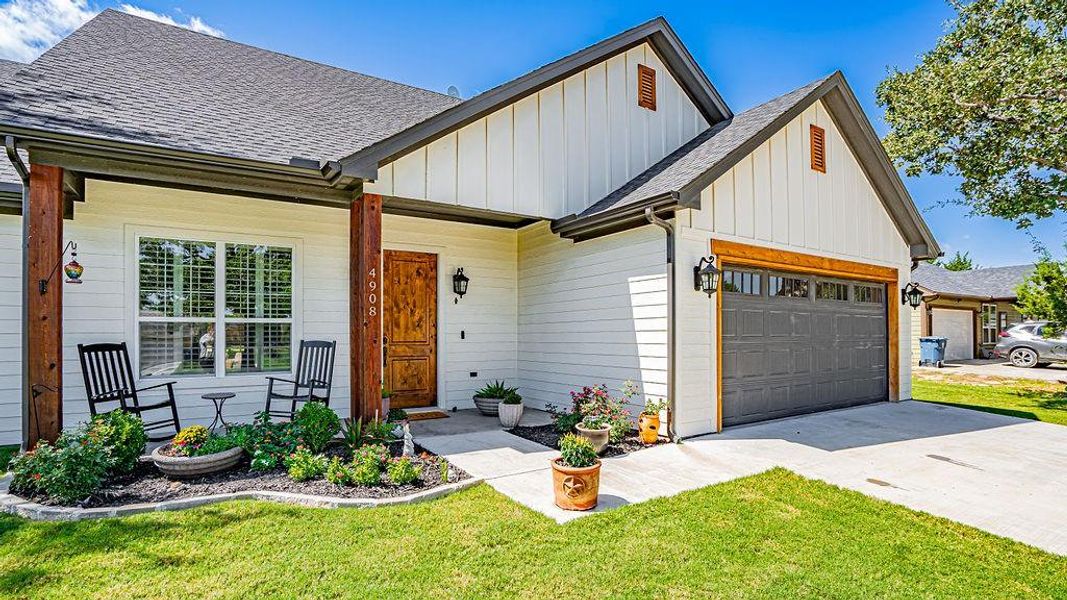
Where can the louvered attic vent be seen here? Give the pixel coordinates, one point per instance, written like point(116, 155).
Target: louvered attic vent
point(818, 149)
point(646, 87)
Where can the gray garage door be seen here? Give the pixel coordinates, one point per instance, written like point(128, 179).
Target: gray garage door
point(794, 344)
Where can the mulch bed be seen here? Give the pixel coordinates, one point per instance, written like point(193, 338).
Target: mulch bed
point(546, 435)
point(146, 484)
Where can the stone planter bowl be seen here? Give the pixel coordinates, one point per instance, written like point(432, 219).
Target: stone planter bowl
point(597, 437)
point(510, 415)
point(185, 467)
point(489, 407)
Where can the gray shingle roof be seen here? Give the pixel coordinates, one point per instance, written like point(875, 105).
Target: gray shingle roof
point(7, 172)
point(129, 79)
point(8, 68)
point(995, 282)
point(693, 159)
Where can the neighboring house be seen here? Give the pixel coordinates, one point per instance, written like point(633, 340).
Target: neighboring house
point(970, 308)
point(577, 199)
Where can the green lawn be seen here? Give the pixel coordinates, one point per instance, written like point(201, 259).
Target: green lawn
point(772, 535)
point(1017, 398)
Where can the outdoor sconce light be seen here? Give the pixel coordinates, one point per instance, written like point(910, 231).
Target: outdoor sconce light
point(706, 276)
point(911, 295)
point(459, 283)
point(73, 270)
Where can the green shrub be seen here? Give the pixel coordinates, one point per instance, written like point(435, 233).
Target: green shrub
point(189, 440)
point(123, 437)
point(69, 471)
point(576, 451)
point(315, 425)
point(338, 473)
point(268, 443)
point(216, 444)
point(304, 465)
point(375, 454)
point(366, 473)
point(564, 421)
point(402, 471)
point(396, 415)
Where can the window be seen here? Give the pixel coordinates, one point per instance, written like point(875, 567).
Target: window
point(646, 87)
point(818, 149)
point(190, 290)
point(831, 290)
point(989, 323)
point(741, 282)
point(869, 294)
point(789, 287)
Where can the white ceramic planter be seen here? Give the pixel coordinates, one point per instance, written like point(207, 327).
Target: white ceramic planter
point(510, 415)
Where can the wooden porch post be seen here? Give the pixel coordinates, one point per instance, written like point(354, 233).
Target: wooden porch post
point(365, 305)
point(43, 334)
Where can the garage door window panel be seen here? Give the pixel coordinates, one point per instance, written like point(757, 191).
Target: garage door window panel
point(787, 287)
point(831, 290)
point(742, 282)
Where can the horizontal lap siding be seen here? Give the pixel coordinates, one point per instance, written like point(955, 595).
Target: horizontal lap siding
point(10, 329)
point(589, 313)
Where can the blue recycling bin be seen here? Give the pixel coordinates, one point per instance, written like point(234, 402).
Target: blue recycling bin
point(932, 351)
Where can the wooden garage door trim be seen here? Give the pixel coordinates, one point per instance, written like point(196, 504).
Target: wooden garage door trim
point(747, 255)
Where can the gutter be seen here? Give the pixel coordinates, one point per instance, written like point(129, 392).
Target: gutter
point(650, 216)
point(616, 219)
point(24, 175)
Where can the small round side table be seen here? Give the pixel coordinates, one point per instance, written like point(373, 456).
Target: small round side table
point(219, 398)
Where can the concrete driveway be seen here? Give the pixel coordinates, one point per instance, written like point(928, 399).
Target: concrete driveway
point(998, 368)
point(1005, 475)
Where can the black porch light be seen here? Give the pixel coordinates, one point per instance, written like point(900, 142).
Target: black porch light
point(459, 283)
point(911, 295)
point(706, 276)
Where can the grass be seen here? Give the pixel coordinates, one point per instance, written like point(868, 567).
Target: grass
point(1040, 401)
point(771, 535)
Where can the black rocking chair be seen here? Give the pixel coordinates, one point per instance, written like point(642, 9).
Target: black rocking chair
point(109, 378)
point(314, 378)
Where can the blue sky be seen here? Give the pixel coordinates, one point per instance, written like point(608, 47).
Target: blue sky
point(752, 51)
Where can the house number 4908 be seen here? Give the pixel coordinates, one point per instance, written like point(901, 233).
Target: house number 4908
point(372, 296)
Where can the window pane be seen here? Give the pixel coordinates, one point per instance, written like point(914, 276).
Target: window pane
point(741, 282)
point(868, 294)
point(830, 290)
point(177, 349)
point(177, 278)
point(788, 287)
point(252, 347)
point(259, 282)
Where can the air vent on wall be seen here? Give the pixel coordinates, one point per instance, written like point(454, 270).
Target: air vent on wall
point(646, 87)
point(818, 149)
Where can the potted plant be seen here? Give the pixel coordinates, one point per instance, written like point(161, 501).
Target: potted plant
point(596, 429)
point(488, 399)
point(648, 420)
point(510, 411)
point(576, 474)
point(195, 452)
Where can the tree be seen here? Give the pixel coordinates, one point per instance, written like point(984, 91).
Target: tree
point(989, 104)
point(958, 262)
point(1043, 295)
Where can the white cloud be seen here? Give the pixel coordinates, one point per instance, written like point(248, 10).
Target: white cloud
point(29, 27)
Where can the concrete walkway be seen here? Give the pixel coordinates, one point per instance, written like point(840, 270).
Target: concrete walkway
point(1005, 475)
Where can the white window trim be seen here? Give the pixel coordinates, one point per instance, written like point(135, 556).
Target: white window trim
point(132, 308)
point(994, 322)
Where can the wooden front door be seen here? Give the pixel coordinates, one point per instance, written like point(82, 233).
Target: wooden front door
point(409, 328)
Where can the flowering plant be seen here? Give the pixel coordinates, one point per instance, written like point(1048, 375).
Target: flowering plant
point(596, 401)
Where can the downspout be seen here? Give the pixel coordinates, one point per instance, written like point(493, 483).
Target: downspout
point(652, 218)
point(24, 174)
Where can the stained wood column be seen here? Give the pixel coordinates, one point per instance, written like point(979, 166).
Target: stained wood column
point(43, 336)
point(365, 305)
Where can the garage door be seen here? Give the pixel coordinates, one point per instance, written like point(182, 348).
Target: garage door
point(958, 327)
point(794, 344)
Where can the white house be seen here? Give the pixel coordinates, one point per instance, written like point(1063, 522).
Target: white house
point(228, 202)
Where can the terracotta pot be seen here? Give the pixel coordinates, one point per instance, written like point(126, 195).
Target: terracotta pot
point(195, 466)
point(489, 407)
point(575, 489)
point(648, 428)
point(510, 415)
point(597, 437)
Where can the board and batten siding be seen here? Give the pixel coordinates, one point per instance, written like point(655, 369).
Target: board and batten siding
point(592, 312)
point(102, 309)
point(773, 198)
point(556, 151)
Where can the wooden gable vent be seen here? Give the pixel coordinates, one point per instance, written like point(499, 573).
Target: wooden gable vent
point(646, 87)
point(818, 149)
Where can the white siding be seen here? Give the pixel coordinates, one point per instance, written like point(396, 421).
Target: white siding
point(102, 308)
point(556, 151)
point(589, 313)
point(773, 198)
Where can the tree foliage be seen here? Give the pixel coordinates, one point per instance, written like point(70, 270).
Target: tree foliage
point(1043, 295)
point(989, 104)
point(961, 261)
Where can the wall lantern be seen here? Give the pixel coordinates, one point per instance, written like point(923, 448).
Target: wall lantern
point(73, 270)
point(911, 295)
point(706, 276)
point(459, 283)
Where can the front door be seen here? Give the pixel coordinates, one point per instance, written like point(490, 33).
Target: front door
point(409, 328)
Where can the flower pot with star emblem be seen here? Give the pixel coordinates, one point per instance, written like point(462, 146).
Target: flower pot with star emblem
point(576, 488)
